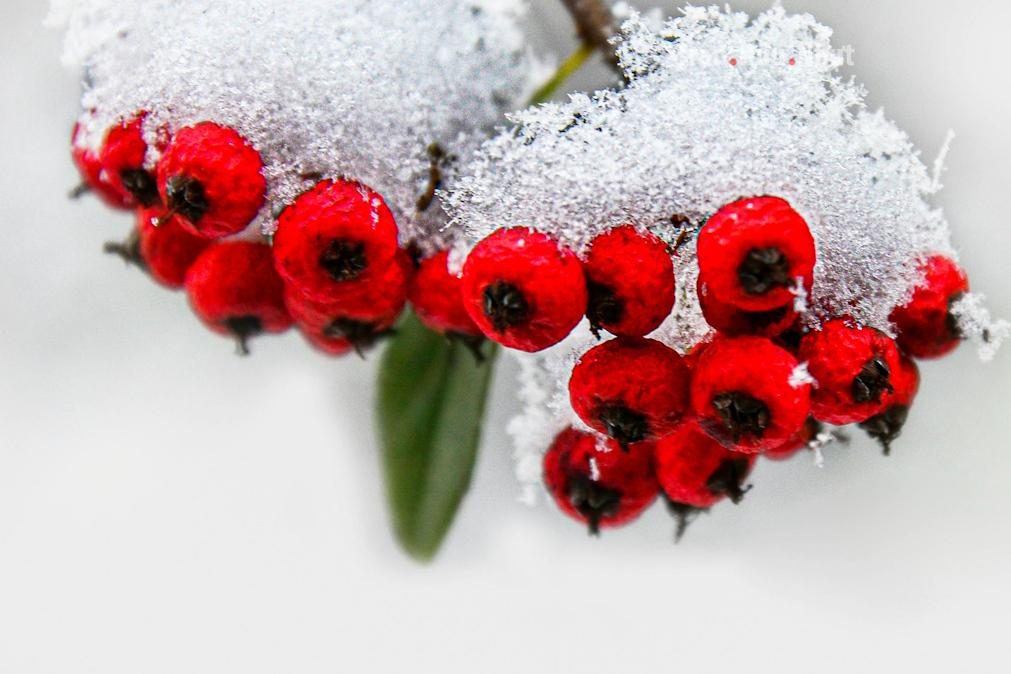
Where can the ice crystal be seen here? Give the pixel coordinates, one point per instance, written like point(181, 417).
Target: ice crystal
point(322, 88)
point(718, 106)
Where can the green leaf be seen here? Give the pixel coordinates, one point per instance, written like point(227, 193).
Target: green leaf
point(432, 396)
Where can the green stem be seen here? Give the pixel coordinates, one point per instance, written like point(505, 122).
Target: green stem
point(568, 67)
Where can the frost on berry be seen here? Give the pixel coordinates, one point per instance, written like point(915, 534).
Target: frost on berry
point(718, 107)
point(385, 92)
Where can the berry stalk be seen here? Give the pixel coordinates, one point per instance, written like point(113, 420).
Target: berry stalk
point(596, 25)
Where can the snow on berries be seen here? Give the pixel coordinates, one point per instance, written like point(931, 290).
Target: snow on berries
point(329, 126)
point(796, 241)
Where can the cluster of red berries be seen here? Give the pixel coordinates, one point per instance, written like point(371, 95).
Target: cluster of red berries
point(691, 427)
point(334, 267)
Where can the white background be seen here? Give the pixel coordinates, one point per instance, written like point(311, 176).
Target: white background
point(166, 507)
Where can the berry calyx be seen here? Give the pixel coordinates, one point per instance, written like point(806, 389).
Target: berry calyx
point(630, 281)
point(337, 243)
point(523, 290)
point(744, 393)
point(437, 298)
point(212, 178)
point(595, 483)
point(732, 321)
point(925, 325)
point(752, 253)
point(234, 290)
point(853, 368)
point(631, 389)
point(330, 327)
point(886, 426)
point(696, 472)
point(123, 157)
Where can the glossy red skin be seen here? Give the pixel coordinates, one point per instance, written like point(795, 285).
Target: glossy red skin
point(640, 374)
point(331, 346)
point(549, 277)
point(637, 268)
point(835, 356)
point(628, 472)
point(686, 460)
point(437, 298)
point(923, 324)
point(757, 367)
point(906, 382)
point(734, 322)
point(168, 249)
point(734, 230)
point(89, 164)
point(800, 441)
point(228, 167)
point(237, 278)
point(338, 210)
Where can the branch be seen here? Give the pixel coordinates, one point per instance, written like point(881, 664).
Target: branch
point(596, 25)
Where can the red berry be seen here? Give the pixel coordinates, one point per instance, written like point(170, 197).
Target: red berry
point(601, 486)
point(753, 251)
point(630, 281)
point(235, 291)
point(744, 393)
point(338, 243)
point(886, 426)
point(213, 179)
point(696, 472)
point(437, 298)
point(167, 250)
point(925, 325)
point(89, 164)
point(800, 441)
point(523, 289)
point(853, 368)
point(631, 389)
point(123, 158)
point(333, 329)
point(732, 321)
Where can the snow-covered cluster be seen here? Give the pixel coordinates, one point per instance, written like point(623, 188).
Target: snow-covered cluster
point(332, 88)
point(718, 106)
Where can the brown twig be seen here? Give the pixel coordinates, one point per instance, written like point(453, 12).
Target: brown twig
point(596, 25)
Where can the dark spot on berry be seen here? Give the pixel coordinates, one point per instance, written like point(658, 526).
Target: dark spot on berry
point(128, 251)
point(683, 514)
point(505, 306)
point(624, 425)
point(872, 381)
point(142, 185)
point(361, 334)
point(243, 328)
point(344, 259)
point(741, 415)
point(728, 479)
point(887, 426)
point(187, 198)
point(592, 500)
point(762, 270)
point(951, 324)
point(604, 308)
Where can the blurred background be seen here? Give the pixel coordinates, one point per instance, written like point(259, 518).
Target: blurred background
point(168, 507)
